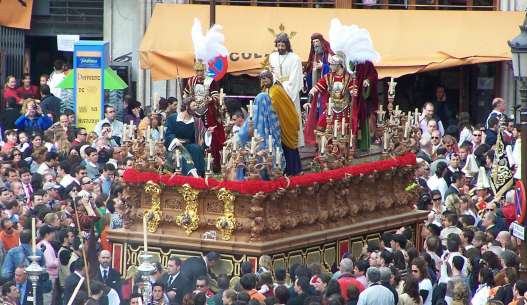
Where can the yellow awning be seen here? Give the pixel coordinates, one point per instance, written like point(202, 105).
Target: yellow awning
point(409, 41)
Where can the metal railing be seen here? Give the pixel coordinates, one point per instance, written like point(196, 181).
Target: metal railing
point(488, 5)
point(73, 12)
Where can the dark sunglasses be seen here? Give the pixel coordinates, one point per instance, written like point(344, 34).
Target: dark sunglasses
point(436, 199)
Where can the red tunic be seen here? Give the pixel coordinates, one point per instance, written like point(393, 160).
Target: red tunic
point(211, 119)
point(323, 90)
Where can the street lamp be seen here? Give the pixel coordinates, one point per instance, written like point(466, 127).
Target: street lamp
point(34, 270)
point(145, 269)
point(518, 47)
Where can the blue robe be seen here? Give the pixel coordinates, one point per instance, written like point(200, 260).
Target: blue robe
point(265, 121)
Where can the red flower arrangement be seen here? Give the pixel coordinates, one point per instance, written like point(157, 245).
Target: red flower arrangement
point(133, 176)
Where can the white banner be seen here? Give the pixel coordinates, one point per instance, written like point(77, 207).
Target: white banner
point(66, 42)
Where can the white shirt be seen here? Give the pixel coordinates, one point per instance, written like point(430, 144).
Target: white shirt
point(66, 180)
point(377, 295)
point(426, 284)
point(113, 297)
point(436, 183)
point(116, 125)
point(465, 135)
point(482, 295)
point(423, 122)
point(54, 80)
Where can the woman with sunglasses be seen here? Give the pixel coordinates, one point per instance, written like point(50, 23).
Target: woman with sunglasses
point(420, 273)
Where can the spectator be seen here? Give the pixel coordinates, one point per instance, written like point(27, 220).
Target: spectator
point(346, 278)
point(375, 294)
point(9, 115)
point(427, 115)
point(10, 91)
point(498, 111)
point(27, 90)
point(33, 120)
point(50, 104)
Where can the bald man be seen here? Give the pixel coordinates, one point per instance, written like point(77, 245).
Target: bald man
point(106, 274)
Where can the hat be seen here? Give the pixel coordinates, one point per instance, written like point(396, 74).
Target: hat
point(50, 185)
point(471, 166)
point(483, 180)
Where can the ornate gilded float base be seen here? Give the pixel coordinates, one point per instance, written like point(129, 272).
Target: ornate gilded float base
point(324, 247)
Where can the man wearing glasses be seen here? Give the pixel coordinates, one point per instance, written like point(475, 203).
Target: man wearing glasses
point(428, 114)
point(477, 139)
point(116, 125)
point(81, 135)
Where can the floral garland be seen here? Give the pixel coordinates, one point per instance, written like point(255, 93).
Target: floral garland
point(133, 176)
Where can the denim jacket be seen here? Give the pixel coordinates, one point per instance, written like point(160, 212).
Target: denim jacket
point(19, 256)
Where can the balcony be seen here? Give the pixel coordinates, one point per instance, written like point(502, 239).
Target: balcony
point(469, 5)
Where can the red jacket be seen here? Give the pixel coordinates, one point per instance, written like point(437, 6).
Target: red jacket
point(7, 93)
point(509, 213)
point(347, 280)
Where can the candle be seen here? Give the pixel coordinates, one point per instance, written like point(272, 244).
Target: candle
point(335, 128)
point(222, 96)
point(278, 157)
point(343, 126)
point(255, 133)
point(177, 159)
point(147, 134)
point(351, 139)
point(151, 147)
point(270, 144)
point(209, 160)
point(409, 119)
point(145, 235)
point(131, 122)
point(385, 140)
point(253, 145)
point(330, 107)
point(34, 235)
point(155, 102)
point(406, 128)
point(224, 156)
point(323, 144)
point(416, 116)
point(161, 132)
point(396, 107)
point(250, 109)
point(234, 143)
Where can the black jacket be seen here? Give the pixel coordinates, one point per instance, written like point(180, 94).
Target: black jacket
point(69, 286)
point(51, 104)
point(113, 280)
point(180, 285)
point(192, 268)
point(8, 118)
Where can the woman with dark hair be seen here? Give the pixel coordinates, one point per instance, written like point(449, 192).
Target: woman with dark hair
point(410, 295)
point(431, 267)
point(486, 282)
point(465, 128)
point(183, 140)
point(134, 113)
point(420, 273)
point(321, 283)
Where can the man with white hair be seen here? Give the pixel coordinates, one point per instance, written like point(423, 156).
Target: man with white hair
point(376, 293)
point(346, 278)
point(498, 111)
point(508, 209)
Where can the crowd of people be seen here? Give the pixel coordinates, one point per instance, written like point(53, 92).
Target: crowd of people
point(70, 180)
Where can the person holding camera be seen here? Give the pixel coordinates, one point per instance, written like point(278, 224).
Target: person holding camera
point(33, 120)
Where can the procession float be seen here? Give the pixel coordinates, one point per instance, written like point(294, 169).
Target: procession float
point(357, 179)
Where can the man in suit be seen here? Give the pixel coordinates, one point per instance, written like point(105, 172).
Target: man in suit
point(107, 275)
point(24, 285)
point(79, 272)
point(458, 179)
point(195, 267)
point(175, 284)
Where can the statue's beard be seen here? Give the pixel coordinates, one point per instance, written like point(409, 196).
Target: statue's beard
point(319, 50)
point(282, 51)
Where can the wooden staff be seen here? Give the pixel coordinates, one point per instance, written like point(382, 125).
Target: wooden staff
point(76, 291)
point(83, 250)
